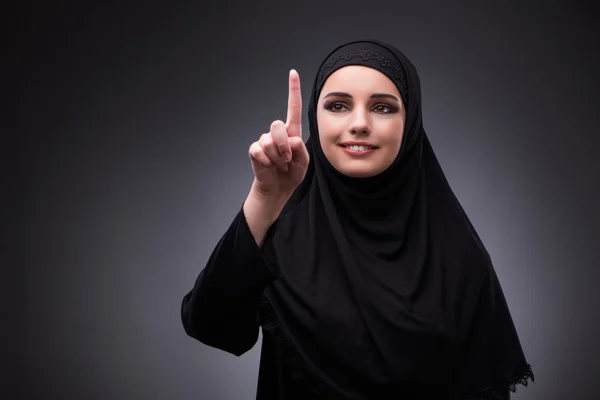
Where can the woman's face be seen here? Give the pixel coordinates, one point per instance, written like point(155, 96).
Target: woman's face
point(359, 106)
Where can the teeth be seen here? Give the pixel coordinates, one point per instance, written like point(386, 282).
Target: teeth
point(358, 148)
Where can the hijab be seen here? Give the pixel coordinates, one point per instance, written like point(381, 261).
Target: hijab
point(384, 284)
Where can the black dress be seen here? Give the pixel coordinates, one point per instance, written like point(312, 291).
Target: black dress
point(227, 305)
point(365, 288)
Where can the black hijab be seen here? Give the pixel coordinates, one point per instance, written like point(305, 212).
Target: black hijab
point(384, 283)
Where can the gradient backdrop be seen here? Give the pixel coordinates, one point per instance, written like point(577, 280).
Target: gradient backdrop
point(134, 127)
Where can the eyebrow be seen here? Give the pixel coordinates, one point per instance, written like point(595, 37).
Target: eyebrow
point(373, 96)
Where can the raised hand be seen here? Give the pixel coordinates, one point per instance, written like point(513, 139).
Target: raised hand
point(279, 158)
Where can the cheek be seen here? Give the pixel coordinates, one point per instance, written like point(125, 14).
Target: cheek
point(329, 129)
point(393, 133)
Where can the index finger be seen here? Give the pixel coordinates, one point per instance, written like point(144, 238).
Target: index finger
point(294, 113)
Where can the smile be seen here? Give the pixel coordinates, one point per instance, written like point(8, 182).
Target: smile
point(358, 150)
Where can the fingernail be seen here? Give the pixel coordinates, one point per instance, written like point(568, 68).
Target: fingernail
point(287, 156)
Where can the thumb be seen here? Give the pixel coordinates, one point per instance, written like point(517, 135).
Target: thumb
point(299, 151)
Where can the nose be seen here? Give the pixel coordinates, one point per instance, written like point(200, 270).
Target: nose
point(359, 124)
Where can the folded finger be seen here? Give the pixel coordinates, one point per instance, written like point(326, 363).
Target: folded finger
point(258, 155)
point(280, 138)
point(270, 149)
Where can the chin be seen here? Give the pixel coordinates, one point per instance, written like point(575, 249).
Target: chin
point(359, 173)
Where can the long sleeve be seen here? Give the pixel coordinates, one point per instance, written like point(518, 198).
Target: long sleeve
point(221, 310)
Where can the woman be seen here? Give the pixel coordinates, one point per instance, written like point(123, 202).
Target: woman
point(354, 256)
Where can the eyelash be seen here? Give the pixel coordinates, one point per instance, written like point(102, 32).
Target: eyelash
point(392, 109)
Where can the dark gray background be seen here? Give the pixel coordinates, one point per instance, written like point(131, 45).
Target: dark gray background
point(134, 127)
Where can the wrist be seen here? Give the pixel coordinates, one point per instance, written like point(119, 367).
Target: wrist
point(263, 210)
point(267, 203)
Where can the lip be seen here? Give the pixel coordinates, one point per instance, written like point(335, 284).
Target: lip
point(358, 144)
point(358, 153)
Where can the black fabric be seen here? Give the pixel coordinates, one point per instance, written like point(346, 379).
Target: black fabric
point(384, 280)
point(221, 308)
point(365, 287)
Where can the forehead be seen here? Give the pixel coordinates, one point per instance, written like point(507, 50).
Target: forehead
point(359, 78)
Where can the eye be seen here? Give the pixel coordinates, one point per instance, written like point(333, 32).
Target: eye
point(335, 107)
point(381, 108)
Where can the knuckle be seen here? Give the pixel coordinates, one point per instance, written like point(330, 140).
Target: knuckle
point(268, 143)
point(266, 139)
point(254, 152)
point(276, 124)
point(264, 160)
